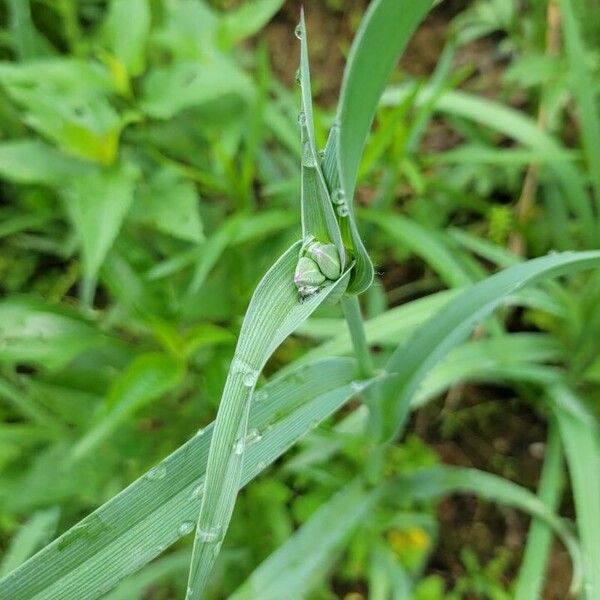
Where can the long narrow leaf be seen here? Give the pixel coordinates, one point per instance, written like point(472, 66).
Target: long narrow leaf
point(411, 361)
point(582, 450)
point(160, 507)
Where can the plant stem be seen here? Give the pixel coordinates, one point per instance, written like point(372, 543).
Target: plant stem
point(353, 316)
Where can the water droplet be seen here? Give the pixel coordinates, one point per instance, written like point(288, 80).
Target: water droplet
point(338, 196)
point(254, 435)
point(156, 473)
point(261, 466)
point(249, 375)
point(210, 535)
point(201, 431)
point(342, 210)
point(186, 527)
point(321, 154)
point(189, 592)
point(308, 159)
point(298, 77)
point(260, 396)
point(197, 491)
point(239, 446)
point(301, 118)
point(314, 424)
point(298, 31)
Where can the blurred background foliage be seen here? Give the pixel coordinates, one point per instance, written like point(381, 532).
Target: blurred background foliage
point(149, 164)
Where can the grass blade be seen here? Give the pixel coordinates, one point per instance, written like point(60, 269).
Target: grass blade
point(411, 361)
point(273, 314)
point(537, 549)
point(143, 520)
point(282, 575)
point(580, 440)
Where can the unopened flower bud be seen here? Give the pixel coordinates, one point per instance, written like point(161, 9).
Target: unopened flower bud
point(308, 273)
point(327, 258)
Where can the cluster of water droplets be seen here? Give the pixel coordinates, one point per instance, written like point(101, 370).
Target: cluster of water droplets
point(210, 535)
point(248, 373)
point(260, 396)
point(338, 197)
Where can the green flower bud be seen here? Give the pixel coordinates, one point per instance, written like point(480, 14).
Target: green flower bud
point(308, 273)
point(327, 258)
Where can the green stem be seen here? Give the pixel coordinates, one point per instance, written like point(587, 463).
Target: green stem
point(356, 327)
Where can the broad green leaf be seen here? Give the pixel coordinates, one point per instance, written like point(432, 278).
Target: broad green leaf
point(33, 161)
point(247, 20)
point(160, 507)
point(582, 451)
point(97, 205)
point(67, 102)
point(412, 360)
point(307, 555)
point(126, 30)
point(147, 378)
point(274, 313)
point(539, 537)
point(169, 203)
point(187, 84)
point(33, 332)
point(38, 530)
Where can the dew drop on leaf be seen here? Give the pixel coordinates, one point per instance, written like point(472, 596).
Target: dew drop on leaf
point(156, 473)
point(253, 436)
point(186, 527)
point(298, 31)
point(210, 535)
point(260, 396)
point(302, 118)
point(342, 210)
point(239, 446)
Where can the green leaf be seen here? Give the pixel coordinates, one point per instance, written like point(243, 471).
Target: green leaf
point(33, 332)
point(274, 313)
point(186, 84)
point(169, 203)
point(147, 378)
point(143, 520)
point(126, 30)
point(580, 440)
point(33, 161)
point(539, 537)
point(412, 360)
point(589, 118)
point(67, 102)
point(97, 204)
point(377, 46)
point(382, 36)
point(247, 20)
point(40, 528)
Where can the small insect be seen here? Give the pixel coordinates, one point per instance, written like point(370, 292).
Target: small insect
point(308, 291)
